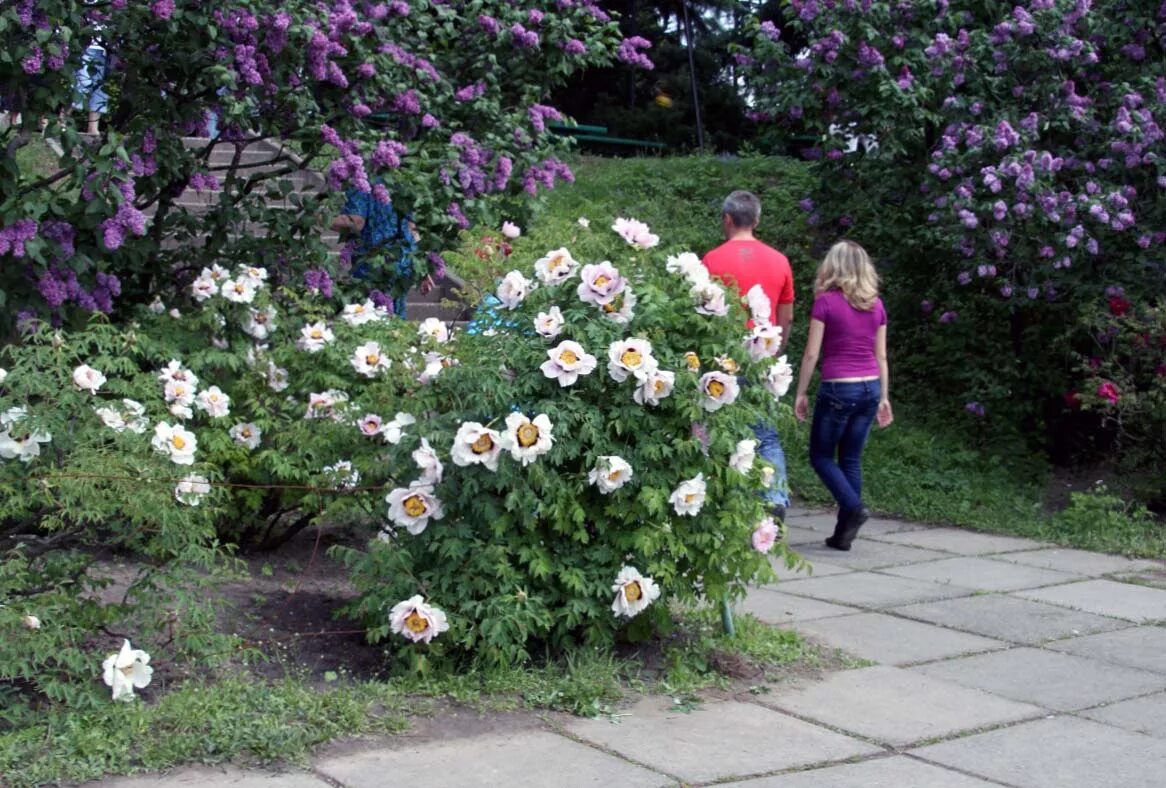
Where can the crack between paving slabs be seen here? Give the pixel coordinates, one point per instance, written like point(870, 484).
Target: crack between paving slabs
point(561, 730)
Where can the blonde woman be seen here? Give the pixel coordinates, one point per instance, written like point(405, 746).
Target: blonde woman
point(848, 329)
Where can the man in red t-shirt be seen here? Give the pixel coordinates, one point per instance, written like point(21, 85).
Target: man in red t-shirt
point(742, 262)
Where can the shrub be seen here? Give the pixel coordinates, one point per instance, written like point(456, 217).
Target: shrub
point(1015, 172)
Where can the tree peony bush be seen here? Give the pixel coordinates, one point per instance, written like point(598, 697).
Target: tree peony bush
point(434, 106)
point(1007, 167)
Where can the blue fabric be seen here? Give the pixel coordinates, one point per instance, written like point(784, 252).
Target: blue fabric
point(843, 414)
point(89, 81)
point(769, 449)
point(486, 316)
point(383, 233)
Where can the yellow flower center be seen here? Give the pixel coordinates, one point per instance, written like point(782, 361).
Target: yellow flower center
point(729, 365)
point(631, 358)
point(556, 262)
point(446, 363)
point(179, 392)
point(660, 386)
point(127, 671)
point(568, 357)
point(246, 433)
point(317, 333)
point(415, 622)
point(614, 476)
point(371, 359)
point(600, 281)
point(632, 591)
point(690, 498)
point(483, 444)
point(371, 425)
point(527, 435)
point(716, 388)
point(414, 506)
point(261, 318)
point(178, 442)
point(240, 288)
point(358, 308)
point(692, 360)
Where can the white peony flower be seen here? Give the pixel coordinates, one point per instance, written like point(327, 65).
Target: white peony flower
point(395, 429)
point(690, 267)
point(688, 498)
point(246, 434)
point(760, 307)
point(277, 377)
point(511, 230)
point(342, 474)
point(610, 473)
point(635, 233)
point(175, 371)
point(584, 222)
point(214, 402)
point(202, 288)
point(779, 378)
point(710, 299)
point(191, 489)
point(412, 507)
point(3, 375)
point(416, 620)
point(256, 276)
point(369, 361)
point(764, 341)
point(600, 283)
point(633, 592)
point(435, 363)
point(765, 535)
point(127, 670)
point(555, 267)
point(88, 379)
point(134, 414)
point(260, 323)
point(719, 389)
point(654, 385)
point(326, 404)
point(217, 273)
point(527, 439)
point(174, 313)
point(513, 289)
point(622, 309)
point(567, 362)
point(549, 324)
point(433, 328)
point(157, 307)
point(314, 336)
point(429, 463)
point(629, 357)
point(370, 424)
point(17, 442)
point(359, 314)
point(175, 442)
point(239, 291)
point(111, 418)
point(475, 444)
point(180, 411)
point(767, 474)
point(741, 460)
point(180, 392)
point(30, 622)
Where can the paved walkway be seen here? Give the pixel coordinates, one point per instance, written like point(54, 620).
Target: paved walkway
point(998, 661)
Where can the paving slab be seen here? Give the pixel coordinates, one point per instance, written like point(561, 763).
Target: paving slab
point(796, 537)
point(897, 706)
point(1062, 682)
point(716, 741)
point(809, 569)
point(774, 607)
point(823, 524)
point(1081, 562)
point(867, 589)
point(1142, 715)
point(521, 759)
point(1009, 618)
point(1137, 647)
point(956, 540)
point(894, 772)
point(1063, 752)
point(867, 554)
point(1106, 598)
point(199, 776)
point(983, 574)
point(894, 641)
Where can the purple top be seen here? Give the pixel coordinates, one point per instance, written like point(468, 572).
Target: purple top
point(848, 343)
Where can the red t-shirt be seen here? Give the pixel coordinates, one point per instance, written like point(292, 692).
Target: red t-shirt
point(748, 263)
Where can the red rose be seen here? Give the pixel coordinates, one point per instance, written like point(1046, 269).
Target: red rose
point(1072, 399)
point(1118, 305)
point(1109, 392)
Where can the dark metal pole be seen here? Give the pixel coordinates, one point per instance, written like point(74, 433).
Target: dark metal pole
point(692, 77)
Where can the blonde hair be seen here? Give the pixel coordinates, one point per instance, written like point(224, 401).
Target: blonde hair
point(848, 269)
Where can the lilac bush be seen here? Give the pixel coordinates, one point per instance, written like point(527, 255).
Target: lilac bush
point(1008, 169)
point(444, 119)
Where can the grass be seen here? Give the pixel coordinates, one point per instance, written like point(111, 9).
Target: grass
point(247, 721)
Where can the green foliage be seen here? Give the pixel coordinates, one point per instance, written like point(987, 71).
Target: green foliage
point(1100, 520)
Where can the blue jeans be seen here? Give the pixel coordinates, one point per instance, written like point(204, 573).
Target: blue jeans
point(843, 415)
point(769, 449)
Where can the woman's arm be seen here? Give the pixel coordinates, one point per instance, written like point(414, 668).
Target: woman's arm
point(809, 362)
point(885, 416)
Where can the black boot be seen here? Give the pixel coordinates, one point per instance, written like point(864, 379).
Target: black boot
point(853, 522)
point(836, 540)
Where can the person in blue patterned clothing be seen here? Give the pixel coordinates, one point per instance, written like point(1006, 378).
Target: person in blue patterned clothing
point(382, 236)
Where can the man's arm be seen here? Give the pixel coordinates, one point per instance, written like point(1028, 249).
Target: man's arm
point(347, 222)
point(785, 316)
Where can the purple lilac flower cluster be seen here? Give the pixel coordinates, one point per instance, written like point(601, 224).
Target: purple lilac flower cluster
point(631, 51)
point(318, 282)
